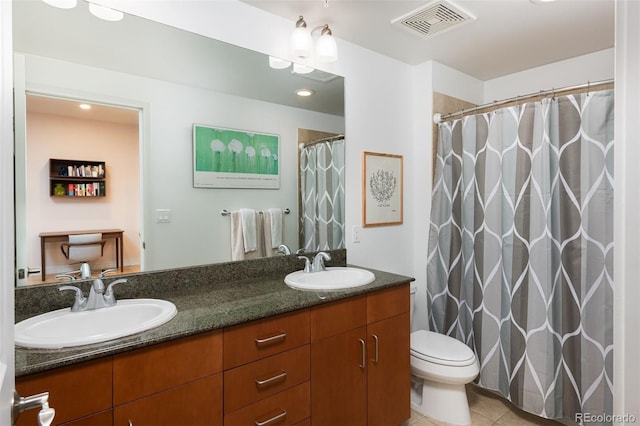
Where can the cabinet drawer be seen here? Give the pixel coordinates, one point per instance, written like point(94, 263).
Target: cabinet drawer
point(337, 317)
point(196, 403)
point(251, 382)
point(284, 408)
point(261, 338)
point(76, 391)
point(146, 371)
point(387, 303)
point(104, 418)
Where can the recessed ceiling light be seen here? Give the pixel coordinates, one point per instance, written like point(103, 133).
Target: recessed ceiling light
point(541, 1)
point(305, 92)
point(85, 106)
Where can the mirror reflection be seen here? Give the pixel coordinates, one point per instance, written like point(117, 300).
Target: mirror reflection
point(147, 85)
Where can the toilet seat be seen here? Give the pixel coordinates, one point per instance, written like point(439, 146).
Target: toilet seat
point(440, 349)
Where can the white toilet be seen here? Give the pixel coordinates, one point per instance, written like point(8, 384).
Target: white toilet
point(441, 366)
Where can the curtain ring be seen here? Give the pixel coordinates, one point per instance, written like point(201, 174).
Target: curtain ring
point(588, 87)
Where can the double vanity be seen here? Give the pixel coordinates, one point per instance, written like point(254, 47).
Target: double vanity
point(249, 350)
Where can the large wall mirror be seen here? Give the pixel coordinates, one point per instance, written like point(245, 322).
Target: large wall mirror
point(148, 85)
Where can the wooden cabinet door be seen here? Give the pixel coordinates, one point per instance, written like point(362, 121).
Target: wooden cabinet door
point(75, 392)
point(339, 379)
point(388, 365)
point(196, 403)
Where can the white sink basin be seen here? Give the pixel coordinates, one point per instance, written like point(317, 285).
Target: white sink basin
point(63, 328)
point(334, 278)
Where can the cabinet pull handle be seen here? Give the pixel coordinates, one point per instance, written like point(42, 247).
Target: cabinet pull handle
point(376, 357)
point(272, 419)
point(364, 357)
point(271, 380)
point(271, 339)
point(130, 423)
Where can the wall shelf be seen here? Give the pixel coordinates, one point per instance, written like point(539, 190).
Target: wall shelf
point(77, 178)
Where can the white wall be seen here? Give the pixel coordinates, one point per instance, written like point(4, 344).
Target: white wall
point(197, 234)
point(592, 67)
point(52, 136)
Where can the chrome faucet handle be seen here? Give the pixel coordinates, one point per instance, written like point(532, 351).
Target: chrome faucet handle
point(318, 261)
point(80, 302)
point(105, 272)
point(307, 263)
point(109, 296)
point(67, 277)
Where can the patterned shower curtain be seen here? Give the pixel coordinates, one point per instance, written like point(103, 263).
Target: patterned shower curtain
point(520, 263)
point(322, 196)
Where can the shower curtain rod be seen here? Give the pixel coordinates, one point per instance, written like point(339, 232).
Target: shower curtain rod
point(439, 118)
point(327, 139)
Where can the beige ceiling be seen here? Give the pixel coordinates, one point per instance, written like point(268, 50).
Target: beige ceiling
point(507, 36)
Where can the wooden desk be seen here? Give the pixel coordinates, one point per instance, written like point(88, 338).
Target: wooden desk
point(63, 236)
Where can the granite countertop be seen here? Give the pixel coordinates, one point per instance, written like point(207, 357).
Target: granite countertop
point(203, 308)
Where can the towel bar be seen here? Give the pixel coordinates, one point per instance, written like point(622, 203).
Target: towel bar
point(225, 212)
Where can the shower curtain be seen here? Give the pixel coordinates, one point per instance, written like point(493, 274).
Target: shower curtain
point(322, 196)
point(520, 261)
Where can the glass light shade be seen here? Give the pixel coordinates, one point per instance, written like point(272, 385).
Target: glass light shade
point(301, 42)
point(301, 69)
point(327, 50)
point(278, 63)
point(62, 4)
point(105, 13)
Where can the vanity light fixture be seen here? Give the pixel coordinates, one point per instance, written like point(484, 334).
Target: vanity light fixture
point(301, 69)
point(62, 4)
point(302, 42)
point(105, 13)
point(277, 63)
point(85, 107)
point(305, 92)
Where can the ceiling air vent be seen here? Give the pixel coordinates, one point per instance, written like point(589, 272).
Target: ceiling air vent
point(433, 18)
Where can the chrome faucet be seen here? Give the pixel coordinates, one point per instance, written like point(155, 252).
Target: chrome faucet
point(307, 263)
point(318, 261)
point(284, 249)
point(85, 271)
point(98, 296)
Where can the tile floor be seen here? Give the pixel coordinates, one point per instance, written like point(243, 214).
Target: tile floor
point(487, 409)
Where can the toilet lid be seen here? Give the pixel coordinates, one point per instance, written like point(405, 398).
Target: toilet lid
point(440, 349)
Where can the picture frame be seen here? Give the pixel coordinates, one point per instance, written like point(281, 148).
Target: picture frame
point(382, 189)
point(233, 158)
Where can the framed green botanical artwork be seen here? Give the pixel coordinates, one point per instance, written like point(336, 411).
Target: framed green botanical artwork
point(231, 158)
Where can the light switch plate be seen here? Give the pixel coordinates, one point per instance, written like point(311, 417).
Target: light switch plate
point(355, 234)
point(163, 215)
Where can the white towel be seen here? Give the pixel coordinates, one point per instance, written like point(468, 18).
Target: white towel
point(249, 234)
point(276, 227)
point(237, 240)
